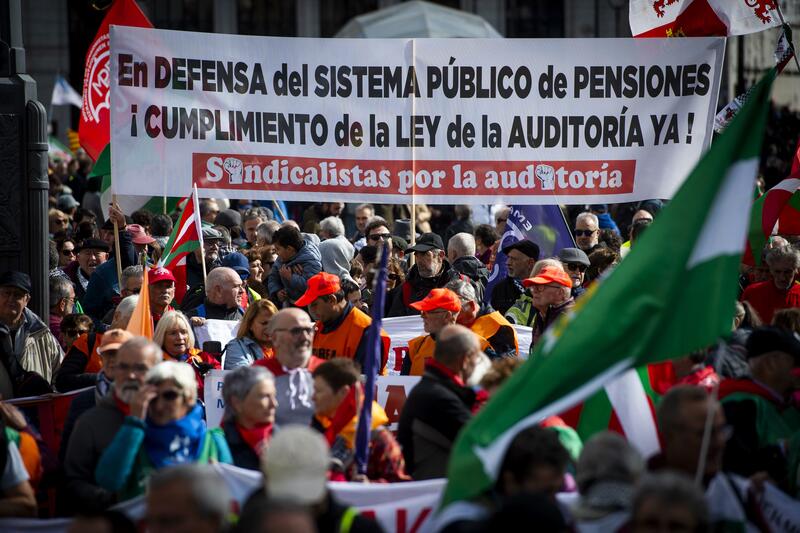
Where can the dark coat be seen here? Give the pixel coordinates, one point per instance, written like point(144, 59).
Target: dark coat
point(243, 455)
point(417, 288)
point(505, 293)
point(476, 271)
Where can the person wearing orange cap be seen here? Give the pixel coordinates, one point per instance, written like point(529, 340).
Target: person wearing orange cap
point(340, 330)
point(551, 291)
point(439, 309)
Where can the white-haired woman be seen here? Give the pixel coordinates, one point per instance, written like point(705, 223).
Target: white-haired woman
point(174, 334)
point(165, 427)
point(250, 402)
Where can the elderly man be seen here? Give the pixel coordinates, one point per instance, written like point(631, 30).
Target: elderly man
point(212, 240)
point(587, 232)
point(250, 222)
point(132, 280)
point(292, 334)
point(161, 290)
point(340, 329)
point(575, 262)
point(364, 212)
point(189, 497)
point(224, 291)
point(485, 321)
point(96, 428)
point(439, 405)
point(551, 292)
point(27, 348)
point(431, 270)
point(439, 309)
point(781, 291)
point(760, 411)
point(521, 256)
point(461, 254)
point(91, 254)
point(62, 300)
point(335, 250)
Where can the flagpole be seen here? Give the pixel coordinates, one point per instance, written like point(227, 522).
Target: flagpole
point(202, 247)
point(788, 36)
point(117, 254)
point(713, 405)
point(279, 210)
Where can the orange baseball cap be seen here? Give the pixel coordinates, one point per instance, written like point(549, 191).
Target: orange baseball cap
point(113, 339)
point(549, 275)
point(439, 299)
point(321, 284)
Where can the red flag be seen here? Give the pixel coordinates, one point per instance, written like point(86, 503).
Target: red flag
point(95, 128)
point(187, 236)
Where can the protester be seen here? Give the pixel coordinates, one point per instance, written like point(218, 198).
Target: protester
point(551, 294)
point(165, 427)
point(175, 337)
point(96, 428)
point(461, 224)
point(16, 494)
point(668, 501)
point(316, 212)
point(298, 260)
point(66, 251)
point(187, 497)
point(252, 342)
point(83, 361)
point(575, 262)
point(587, 232)
point(363, 213)
point(208, 210)
point(292, 334)
point(335, 250)
point(485, 238)
point(439, 405)
point(461, 254)
point(195, 276)
point(91, 254)
point(600, 260)
point(250, 403)
point(224, 291)
point(485, 321)
point(131, 280)
point(62, 301)
point(523, 311)
point(782, 291)
point(250, 222)
point(73, 326)
point(521, 256)
point(340, 330)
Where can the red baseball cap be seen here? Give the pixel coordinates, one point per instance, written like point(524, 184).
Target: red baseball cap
point(321, 284)
point(549, 275)
point(160, 274)
point(138, 234)
point(439, 299)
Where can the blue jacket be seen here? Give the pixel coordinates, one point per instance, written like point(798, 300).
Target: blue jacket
point(242, 352)
point(307, 257)
point(605, 221)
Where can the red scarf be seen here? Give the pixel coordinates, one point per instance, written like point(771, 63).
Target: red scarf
point(433, 363)
point(122, 406)
point(255, 437)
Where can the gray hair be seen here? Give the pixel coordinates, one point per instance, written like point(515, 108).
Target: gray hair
point(607, 457)
point(333, 226)
point(206, 204)
point(463, 289)
point(218, 277)
point(133, 271)
point(59, 289)
point(785, 253)
point(266, 230)
point(461, 245)
point(124, 310)
point(167, 321)
point(208, 489)
point(503, 212)
point(542, 263)
point(674, 489)
point(370, 207)
point(239, 382)
point(590, 217)
point(181, 373)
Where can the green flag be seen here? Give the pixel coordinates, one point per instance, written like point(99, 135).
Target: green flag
point(672, 295)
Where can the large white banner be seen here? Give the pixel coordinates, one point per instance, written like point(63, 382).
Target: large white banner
point(522, 121)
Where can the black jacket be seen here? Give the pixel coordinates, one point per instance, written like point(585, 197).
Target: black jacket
point(476, 271)
point(435, 411)
point(415, 288)
point(210, 310)
point(505, 293)
point(243, 455)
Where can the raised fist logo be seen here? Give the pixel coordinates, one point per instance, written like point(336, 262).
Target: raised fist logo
point(547, 176)
point(233, 167)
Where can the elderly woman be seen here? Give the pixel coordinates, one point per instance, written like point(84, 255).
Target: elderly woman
point(250, 401)
point(336, 389)
point(165, 427)
point(252, 340)
point(174, 334)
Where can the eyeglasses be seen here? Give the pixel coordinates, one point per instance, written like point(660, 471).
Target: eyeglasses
point(576, 266)
point(584, 232)
point(169, 395)
point(297, 331)
point(75, 332)
point(380, 236)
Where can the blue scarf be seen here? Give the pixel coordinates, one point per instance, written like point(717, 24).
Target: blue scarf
point(176, 442)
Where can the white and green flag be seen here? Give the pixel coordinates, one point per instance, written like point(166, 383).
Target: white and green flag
point(672, 295)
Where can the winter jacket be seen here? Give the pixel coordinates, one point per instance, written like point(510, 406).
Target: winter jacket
point(309, 258)
point(505, 293)
point(104, 283)
point(29, 348)
point(81, 364)
point(242, 453)
point(213, 311)
point(541, 323)
point(336, 255)
point(93, 432)
point(476, 271)
point(243, 351)
point(415, 288)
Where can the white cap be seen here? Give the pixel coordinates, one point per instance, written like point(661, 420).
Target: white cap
point(295, 465)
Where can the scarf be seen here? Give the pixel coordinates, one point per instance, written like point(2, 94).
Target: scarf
point(256, 437)
point(176, 442)
point(124, 408)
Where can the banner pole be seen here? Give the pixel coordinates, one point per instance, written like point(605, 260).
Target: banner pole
point(279, 210)
point(117, 253)
point(202, 247)
point(788, 36)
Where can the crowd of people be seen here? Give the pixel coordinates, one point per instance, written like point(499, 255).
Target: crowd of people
point(299, 281)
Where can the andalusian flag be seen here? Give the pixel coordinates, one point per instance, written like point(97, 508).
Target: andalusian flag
point(187, 236)
point(672, 295)
point(766, 211)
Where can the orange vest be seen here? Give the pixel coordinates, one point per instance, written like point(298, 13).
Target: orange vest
point(94, 365)
point(420, 349)
point(344, 340)
point(486, 326)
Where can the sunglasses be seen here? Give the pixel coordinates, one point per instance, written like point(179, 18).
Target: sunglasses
point(70, 253)
point(576, 266)
point(297, 331)
point(380, 236)
point(169, 395)
point(584, 232)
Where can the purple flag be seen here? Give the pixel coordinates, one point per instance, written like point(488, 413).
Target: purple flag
point(372, 363)
point(543, 224)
